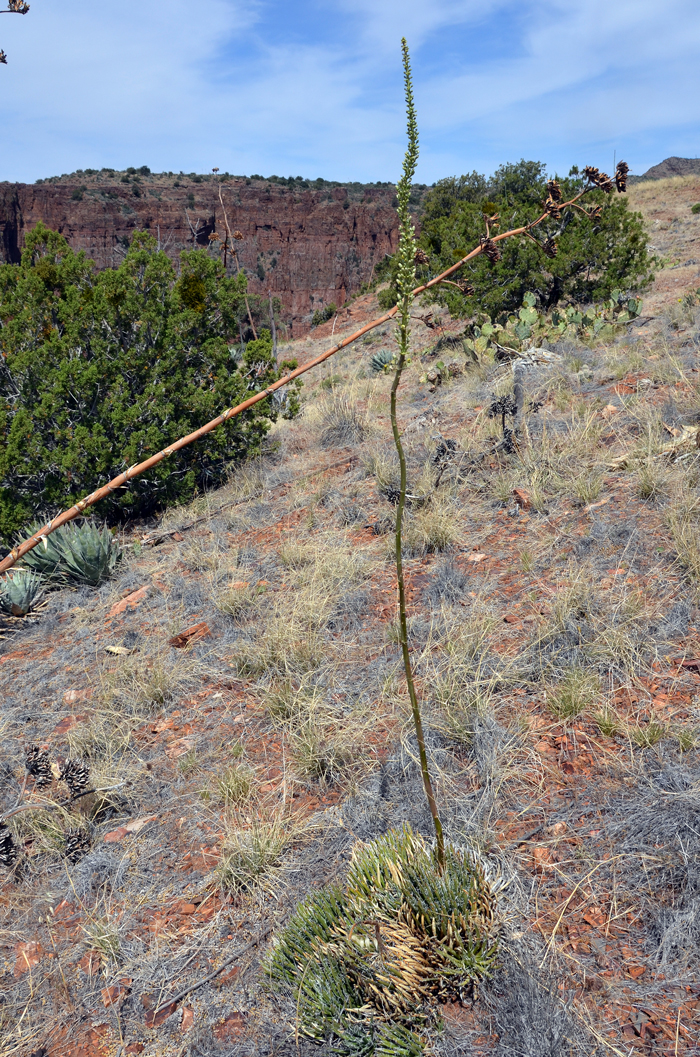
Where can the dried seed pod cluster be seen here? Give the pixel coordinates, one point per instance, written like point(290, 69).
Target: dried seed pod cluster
point(621, 176)
point(421, 257)
point(490, 249)
point(77, 844)
point(8, 848)
point(600, 179)
point(465, 288)
point(549, 248)
point(38, 766)
point(18, 7)
point(76, 775)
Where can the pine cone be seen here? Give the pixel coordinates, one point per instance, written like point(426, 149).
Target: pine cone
point(38, 765)
point(77, 844)
point(76, 775)
point(554, 191)
point(549, 247)
point(8, 848)
point(421, 257)
point(621, 176)
point(491, 250)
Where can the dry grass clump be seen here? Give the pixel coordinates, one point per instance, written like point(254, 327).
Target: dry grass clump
point(327, 749)
point(284, 646)
point(432, 529)
point(574, 693)
point(237, 599)
point(235, 785)
point(683, 520)
point(343, 424)
point(251, 858)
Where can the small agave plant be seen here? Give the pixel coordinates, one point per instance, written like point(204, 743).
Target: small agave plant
point(20, 591)
point(83, 553)
point(88, 554)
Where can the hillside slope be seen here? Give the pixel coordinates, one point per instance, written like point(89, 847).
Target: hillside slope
point(253, 723)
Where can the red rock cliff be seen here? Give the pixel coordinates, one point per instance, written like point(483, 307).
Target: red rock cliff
point(308, 246)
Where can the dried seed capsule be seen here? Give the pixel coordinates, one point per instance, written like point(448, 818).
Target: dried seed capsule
point(554, 191)
point(621, 176)
point(421, 257)
point(77, 844)
point(8, 849)
point(38, 765)
point(549, 247)
point(552, 209)
point(491, 250)
point(76, 775)
point(591, 173)
point(465, 288)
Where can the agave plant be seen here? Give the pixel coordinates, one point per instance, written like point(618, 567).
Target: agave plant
point(366, 962)
point(20, 591)
point(88, 554)
point(381, 359)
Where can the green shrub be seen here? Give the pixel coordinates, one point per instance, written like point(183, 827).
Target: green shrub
point(100, 370)
point(593, 258)
point(322, 315)
point(695, 208)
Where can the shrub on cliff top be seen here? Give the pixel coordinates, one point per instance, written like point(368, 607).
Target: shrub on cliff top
point(100, 370)
point(593, 258)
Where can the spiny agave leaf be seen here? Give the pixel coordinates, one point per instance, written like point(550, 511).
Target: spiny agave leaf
point(45, 558)
point(394, 1040)
point(327, 1000)
point(20, 591)
point(310, 926)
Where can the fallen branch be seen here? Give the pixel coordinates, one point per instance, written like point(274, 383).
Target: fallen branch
point(165, 1009)
point(52, 805)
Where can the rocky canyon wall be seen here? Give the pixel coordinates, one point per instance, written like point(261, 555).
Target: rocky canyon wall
point(308, 245)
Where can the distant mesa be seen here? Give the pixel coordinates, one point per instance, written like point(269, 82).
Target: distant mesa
point(670, 167)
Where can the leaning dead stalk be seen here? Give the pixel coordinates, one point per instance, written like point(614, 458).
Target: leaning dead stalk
point(405, 281)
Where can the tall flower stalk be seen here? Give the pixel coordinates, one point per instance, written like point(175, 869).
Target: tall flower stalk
point(405, 283)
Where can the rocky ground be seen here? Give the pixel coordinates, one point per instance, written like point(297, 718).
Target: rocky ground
point(236, 690)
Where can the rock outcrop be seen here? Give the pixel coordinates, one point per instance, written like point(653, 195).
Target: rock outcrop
point(307, 245)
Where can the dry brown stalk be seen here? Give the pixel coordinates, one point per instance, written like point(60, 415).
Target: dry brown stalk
point(134, 471)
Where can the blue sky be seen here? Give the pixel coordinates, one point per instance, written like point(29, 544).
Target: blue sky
point(300, 87)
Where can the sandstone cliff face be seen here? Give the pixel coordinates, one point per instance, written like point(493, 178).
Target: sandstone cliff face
point(306, 246)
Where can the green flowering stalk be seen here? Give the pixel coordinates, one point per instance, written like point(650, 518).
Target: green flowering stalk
point(406, 279)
